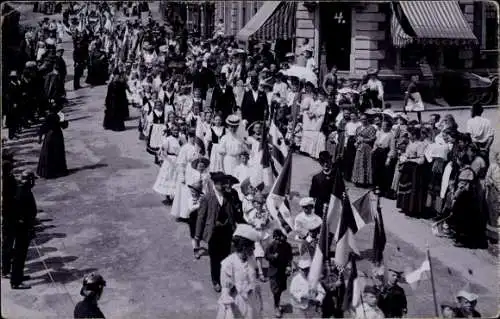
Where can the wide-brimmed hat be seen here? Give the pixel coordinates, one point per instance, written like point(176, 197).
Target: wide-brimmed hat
point(203, 160)
point(233, 120)
point(197, 186)
point(372, 71)
point(231, 179)
point(247, 231)
point(371, 290)
point(467, 295)
point(217, 177)
point(306, 201)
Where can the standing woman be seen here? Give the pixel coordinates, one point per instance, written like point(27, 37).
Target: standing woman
point(187, 154)
point(116, 104)
point(410, 198)
point(362, 173)
point(166, 179)
point(313, 140)
point(240, 295)
point(217, 131)
point(230, 145)
point(382, 176)
point(350, 150)
point(52, 161)
point(413, 99)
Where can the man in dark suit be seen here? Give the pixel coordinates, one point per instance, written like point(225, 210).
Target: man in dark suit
point(254, 104)
point(223, 101)
point(322, 183)
point(203, 78)
point(218, 214)
point(9, 187)
point(24, 223)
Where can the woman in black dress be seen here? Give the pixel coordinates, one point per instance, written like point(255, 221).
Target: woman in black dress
point(116, 104)
point(52, 161)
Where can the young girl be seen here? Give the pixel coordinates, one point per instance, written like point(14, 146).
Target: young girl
point(157, 120)
point(313, 140)
point(165, 181)
point(147, 109)
point(217, 131)
point(203, 127)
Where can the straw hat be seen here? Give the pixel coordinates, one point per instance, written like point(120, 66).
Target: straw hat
point(233, 120)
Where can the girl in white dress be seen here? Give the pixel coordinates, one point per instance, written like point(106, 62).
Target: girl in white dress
point(166, 180)
point(253, 142)
point(187, 154)
point(147, 109)
point(230, 145)
point(157, 126)
point(217, 131)
point(313, 140)
point(203, 127)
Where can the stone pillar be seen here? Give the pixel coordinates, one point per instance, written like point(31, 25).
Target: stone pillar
point(234, 17)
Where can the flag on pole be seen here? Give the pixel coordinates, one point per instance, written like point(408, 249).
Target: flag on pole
point(349, 296)
point(277, 202)
point(279, 149)
point(414, 277)
point(344, 219)
point(379, 238)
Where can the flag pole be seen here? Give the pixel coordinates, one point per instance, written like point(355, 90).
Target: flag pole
point(432, 284)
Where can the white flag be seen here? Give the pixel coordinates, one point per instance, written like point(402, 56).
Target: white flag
point(415, 276)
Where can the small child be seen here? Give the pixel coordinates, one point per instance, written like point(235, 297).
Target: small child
point(279, 255)
point(307, 226)
point(196, 193)
point(305, 300)
point(368, 308)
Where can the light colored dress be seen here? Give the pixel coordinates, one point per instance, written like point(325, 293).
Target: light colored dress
point(166, 180)
point(232, 147)
point(216, 159)
point(187, 154)
point(313, 140)
point(241, 294)
point(262, 223)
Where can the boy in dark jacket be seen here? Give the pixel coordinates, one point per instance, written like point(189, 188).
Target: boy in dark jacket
point(279, 254)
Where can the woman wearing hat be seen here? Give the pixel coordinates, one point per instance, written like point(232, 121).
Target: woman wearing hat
point(98, 66)
point(52, 160)
point(241, 294)
point(313, 140)
point(230, 145)
point(373, 91)
point(116, 104)
point(217, 131)
point(166, 180)
point(366, 134)
point(467, 302)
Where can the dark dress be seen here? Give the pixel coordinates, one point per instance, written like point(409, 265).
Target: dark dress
point(393, 302)
point(52, 161)
point(98, 68)
point(277, 265)
point(87, 309)
point(116, 107)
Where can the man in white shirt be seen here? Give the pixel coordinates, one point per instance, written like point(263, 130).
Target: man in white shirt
point(480, 129)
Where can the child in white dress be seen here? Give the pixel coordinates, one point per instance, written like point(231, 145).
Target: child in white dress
point(167, 177)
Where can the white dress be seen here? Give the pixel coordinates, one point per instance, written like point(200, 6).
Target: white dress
point(241, 295)
point(313, 140)
point(262, 223)
point(187, 154)
point(232, 147)
point(241, 172)
point(166, 180)
point(216, 159)
point(254, 145)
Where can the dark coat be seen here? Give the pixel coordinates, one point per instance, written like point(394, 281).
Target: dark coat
point(223, 102)
point(53, 86)
point(392, 302)
point(9, 188)
point(321, 190)
point(87, 309)
point(26, 209)
point(52, 160)
point(209, 211)
point(253, 110)
point(203, 79)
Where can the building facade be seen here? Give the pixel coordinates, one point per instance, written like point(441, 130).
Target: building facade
point(235, 14)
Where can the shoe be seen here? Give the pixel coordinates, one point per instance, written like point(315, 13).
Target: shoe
point(217, 287)
point(20, 286)
point(278, 313)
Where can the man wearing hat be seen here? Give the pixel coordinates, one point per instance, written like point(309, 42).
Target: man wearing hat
point(13, 99)
point(223, 101)
point(80, 55)
point(61, 66)
point(305, 300)
point(322, 183)
point(203, 78)
point(392, 300)
point(467, 302)
point(23, 225)
point(218, 215)
point(254, 104)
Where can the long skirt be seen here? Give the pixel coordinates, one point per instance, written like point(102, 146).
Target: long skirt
point(166, 180)
point(52, 161)
point(410, 198)
point(468, 219)
point(216, 159)
point(434, 201)
point(381, 173)
point(230, 163)
point(113, 121)
point(348, 158)
point(180, 205)
point(312, 143)
point(362, 172)
point(395, 178)
point(155, 138)
point(247, 308)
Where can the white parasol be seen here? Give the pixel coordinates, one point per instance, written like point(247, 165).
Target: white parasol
point(302, 73)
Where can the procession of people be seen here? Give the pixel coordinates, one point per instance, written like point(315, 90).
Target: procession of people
point(205, 108)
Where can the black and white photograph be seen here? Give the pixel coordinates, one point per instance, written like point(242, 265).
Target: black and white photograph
point(250, 159)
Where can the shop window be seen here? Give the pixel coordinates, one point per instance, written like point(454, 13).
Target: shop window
point(490, 26)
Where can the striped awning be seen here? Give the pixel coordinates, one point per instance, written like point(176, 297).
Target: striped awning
point(400, 38)
point(274, 20)
point(434, 21)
